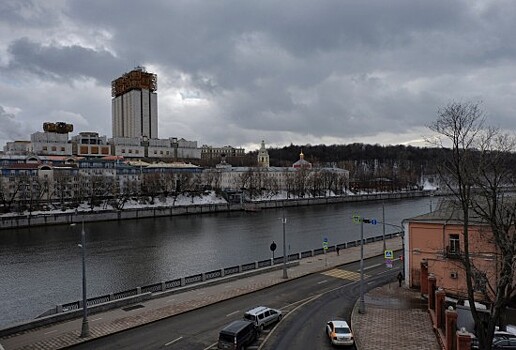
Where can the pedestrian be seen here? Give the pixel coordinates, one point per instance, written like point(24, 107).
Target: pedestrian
point(338, 250)
point(400, 278)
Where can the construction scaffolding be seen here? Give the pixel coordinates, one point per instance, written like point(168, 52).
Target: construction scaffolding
point(59, 127)
point(138, 78)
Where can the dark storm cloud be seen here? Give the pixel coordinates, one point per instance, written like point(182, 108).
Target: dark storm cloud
point(62, 63)
point(330, 68)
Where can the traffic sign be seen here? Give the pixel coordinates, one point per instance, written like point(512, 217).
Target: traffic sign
point(325, 239)
point(388, 263)
point(356, 219)
point(373, 221)
point(388, 254)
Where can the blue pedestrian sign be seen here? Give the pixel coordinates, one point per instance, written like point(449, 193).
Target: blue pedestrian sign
point(373, 221)
point(388, 254)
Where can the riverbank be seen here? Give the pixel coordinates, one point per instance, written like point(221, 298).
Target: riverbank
point(81, 215)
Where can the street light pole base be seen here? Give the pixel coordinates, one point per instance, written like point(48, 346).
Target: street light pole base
point(85, 330)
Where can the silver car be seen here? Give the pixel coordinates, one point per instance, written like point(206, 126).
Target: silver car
point(263, 316)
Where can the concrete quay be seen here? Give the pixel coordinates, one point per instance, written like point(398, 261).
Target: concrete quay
point(394, 316)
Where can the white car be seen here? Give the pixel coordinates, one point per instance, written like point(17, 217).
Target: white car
point(339, 333)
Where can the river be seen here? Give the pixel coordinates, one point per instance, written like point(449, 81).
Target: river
point(41, 266)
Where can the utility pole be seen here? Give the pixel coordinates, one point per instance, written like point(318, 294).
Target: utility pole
point(361, 308)
point(284, 221)
point(85, 331)
point(383, 221)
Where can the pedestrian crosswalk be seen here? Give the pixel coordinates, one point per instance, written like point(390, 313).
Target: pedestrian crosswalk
point(343, 274)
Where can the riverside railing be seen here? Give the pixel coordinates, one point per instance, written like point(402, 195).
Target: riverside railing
point(164, 288)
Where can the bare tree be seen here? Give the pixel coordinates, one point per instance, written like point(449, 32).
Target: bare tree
point(476, 174)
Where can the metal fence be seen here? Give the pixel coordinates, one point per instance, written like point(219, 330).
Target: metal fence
point(211, 275)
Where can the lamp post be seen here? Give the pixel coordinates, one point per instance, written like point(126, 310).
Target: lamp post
point(85, 330)
point(383, 221)
point(361, 308)
point(284, 221)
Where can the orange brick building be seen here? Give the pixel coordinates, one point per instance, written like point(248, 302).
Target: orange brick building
point(434, 245)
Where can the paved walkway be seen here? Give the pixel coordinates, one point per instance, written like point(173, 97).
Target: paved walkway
point(395, 318)
point(387, 323)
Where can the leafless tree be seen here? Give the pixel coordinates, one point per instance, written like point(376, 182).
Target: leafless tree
point(475, 172)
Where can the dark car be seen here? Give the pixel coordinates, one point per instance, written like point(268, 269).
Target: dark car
point(237, 335)
point(501, 340)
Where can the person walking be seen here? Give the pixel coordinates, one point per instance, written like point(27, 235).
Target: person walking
point(400, 278)
point(338, 250)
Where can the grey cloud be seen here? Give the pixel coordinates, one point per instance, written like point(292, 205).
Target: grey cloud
point(29, 13)
point(62, 63)
point(11, 129)
point(296, 67)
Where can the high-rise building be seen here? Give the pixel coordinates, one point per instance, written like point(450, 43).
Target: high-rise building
point(135, 105)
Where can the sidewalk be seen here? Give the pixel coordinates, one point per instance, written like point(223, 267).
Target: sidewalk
point(395, 318)
point(388, 322)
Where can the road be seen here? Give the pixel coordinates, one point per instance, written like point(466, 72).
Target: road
point(307, 303)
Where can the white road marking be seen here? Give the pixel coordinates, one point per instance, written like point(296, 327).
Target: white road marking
point(372, 267)
point(51, 331)
point(173, 341)
point(96, 319)
point(234, 312)
point(323, 281)
point(210, 346)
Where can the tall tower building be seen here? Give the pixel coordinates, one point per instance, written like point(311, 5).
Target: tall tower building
point(134, 106)
point(263, 156)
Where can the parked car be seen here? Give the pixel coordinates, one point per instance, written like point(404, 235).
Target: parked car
point(263, 316)
point(501, 340)
point(237, 335)
point(339, 333)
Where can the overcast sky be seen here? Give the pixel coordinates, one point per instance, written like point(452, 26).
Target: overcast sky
point(236, 72)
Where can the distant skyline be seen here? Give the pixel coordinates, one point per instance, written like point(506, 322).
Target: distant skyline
point(238, 72)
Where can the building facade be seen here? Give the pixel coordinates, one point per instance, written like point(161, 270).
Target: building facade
point(434, 245)
point(135, 105)
point(90, 144)
point(263, 156)
point(53, 140)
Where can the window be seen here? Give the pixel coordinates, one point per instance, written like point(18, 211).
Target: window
point(453, 247)
point(454, 243)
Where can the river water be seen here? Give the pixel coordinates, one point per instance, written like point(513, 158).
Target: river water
point(41, 267)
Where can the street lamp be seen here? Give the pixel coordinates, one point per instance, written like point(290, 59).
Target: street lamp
point(284, 221)
point(85, 330)
point(361, 308)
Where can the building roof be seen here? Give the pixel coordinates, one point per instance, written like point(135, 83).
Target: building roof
point(448, 212)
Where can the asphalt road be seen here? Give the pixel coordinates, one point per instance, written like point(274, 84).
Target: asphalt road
point(307, 304)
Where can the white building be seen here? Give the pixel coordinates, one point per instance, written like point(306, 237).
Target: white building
point(90, 144)
point(135, 105)
point(51, 143)
point(127, 147)
point(263, 156)
point(17, 148)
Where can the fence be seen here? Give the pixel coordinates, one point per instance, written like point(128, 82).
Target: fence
point(159, 288)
